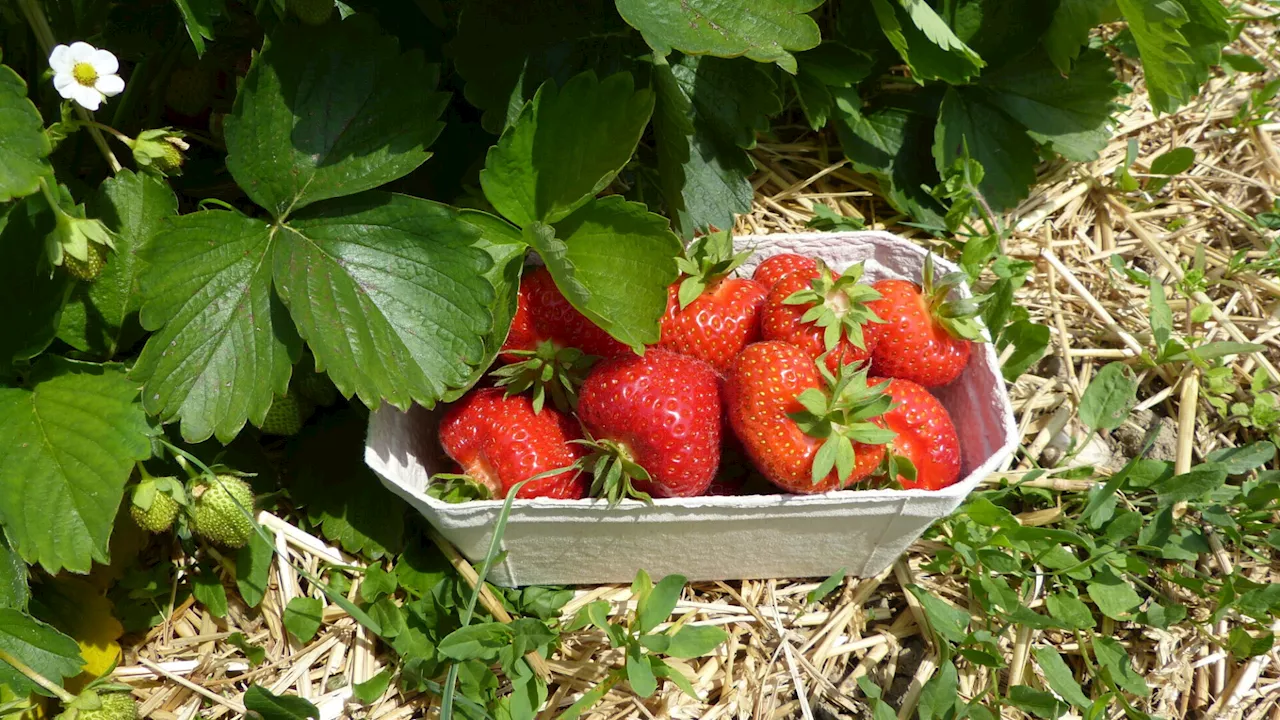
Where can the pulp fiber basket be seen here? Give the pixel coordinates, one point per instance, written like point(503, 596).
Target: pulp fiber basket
point(717, 538)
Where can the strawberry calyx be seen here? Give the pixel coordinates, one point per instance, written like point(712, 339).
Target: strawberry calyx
point(896, 466)
point(839, 305)
point(548, 369)
point(707, 261)
point(960, 316)
point(614, 472)
point(457, 488)
point(843, 414)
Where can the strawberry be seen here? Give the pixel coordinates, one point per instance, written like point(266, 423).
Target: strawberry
point(655, 425)
point(549, 316)
point(804, 438)
point(711, 316)
point(926, 337)
point(550, 345)
point(499, 440)
point(823, 314)
point(772, 269)
point(926, 450)
point(89, 269)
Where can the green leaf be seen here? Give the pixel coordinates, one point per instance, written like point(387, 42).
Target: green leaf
point(708, 113)
point(1243, 645)
point(1193, 484)
point(278, 707)
point(1060, 677)
point(198, 17)
point(763, 30)
point(939, 696)
point(1240, 460)
point(1073, 20)
point(693, 641)
point(1178, 40)
point(1243, 63)
point(71, 440)
point(1174, 162)
point(376, 583)
point(208, 591)
point(893, 144)
point(613, 260)
point(1069, 114)
point(947, 620)
point(253, 568)
point(567, 145)
point(640, 673)
point(1113, 595)
point(1110, 396)
point(330, 111)
point(331, 481)
point(14, 591)
point(389, 293)
point(370, 690)
point(661, 601)
point(1037, 702)
point(1030, 342)
point(969, 122)
point(1069, 610)
point(302, 617)
point(223, 344)
point(1114, 658)
point(925, 42)
point(826, 587)
point(1214, 350)
point(255, 654)
point(32, 292)
point(40, 647)
point(24, 147)
point(476, 642)
point(505, 51)
point(101, 317)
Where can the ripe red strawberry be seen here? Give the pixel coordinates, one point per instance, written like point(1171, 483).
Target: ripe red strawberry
point(549, 316)
point(926, 337)
point(711, 316)
point(804, 437)
point(821, 313)
point(926, 438)
point(550, 345)
point(655, 421)
point(500, 441)
point(772, 269)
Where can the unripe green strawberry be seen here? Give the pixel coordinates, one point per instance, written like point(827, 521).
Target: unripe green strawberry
point(287, 414)
point(316, 387)
point(87, 270)
point(107, 706)
point(159, 516)
point(219, 513)
point(190, 91)
point(311, 12)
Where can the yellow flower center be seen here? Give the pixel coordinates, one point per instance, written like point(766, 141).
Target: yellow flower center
point(84, 74)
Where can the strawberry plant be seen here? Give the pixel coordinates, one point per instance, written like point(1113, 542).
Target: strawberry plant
point(229, 230)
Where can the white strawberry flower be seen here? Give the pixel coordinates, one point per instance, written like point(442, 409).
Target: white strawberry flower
point(83, 73)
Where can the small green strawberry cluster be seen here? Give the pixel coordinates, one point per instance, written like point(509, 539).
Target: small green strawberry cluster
point(217, 507)
point(309, 389)
point(820, 380)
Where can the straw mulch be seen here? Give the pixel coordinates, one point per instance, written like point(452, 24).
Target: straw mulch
point(788, 659)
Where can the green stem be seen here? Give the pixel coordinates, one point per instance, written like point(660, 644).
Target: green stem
point(128, 141)
point(37, 678)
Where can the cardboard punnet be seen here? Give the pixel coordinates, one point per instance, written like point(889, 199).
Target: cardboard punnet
point(716, 538)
